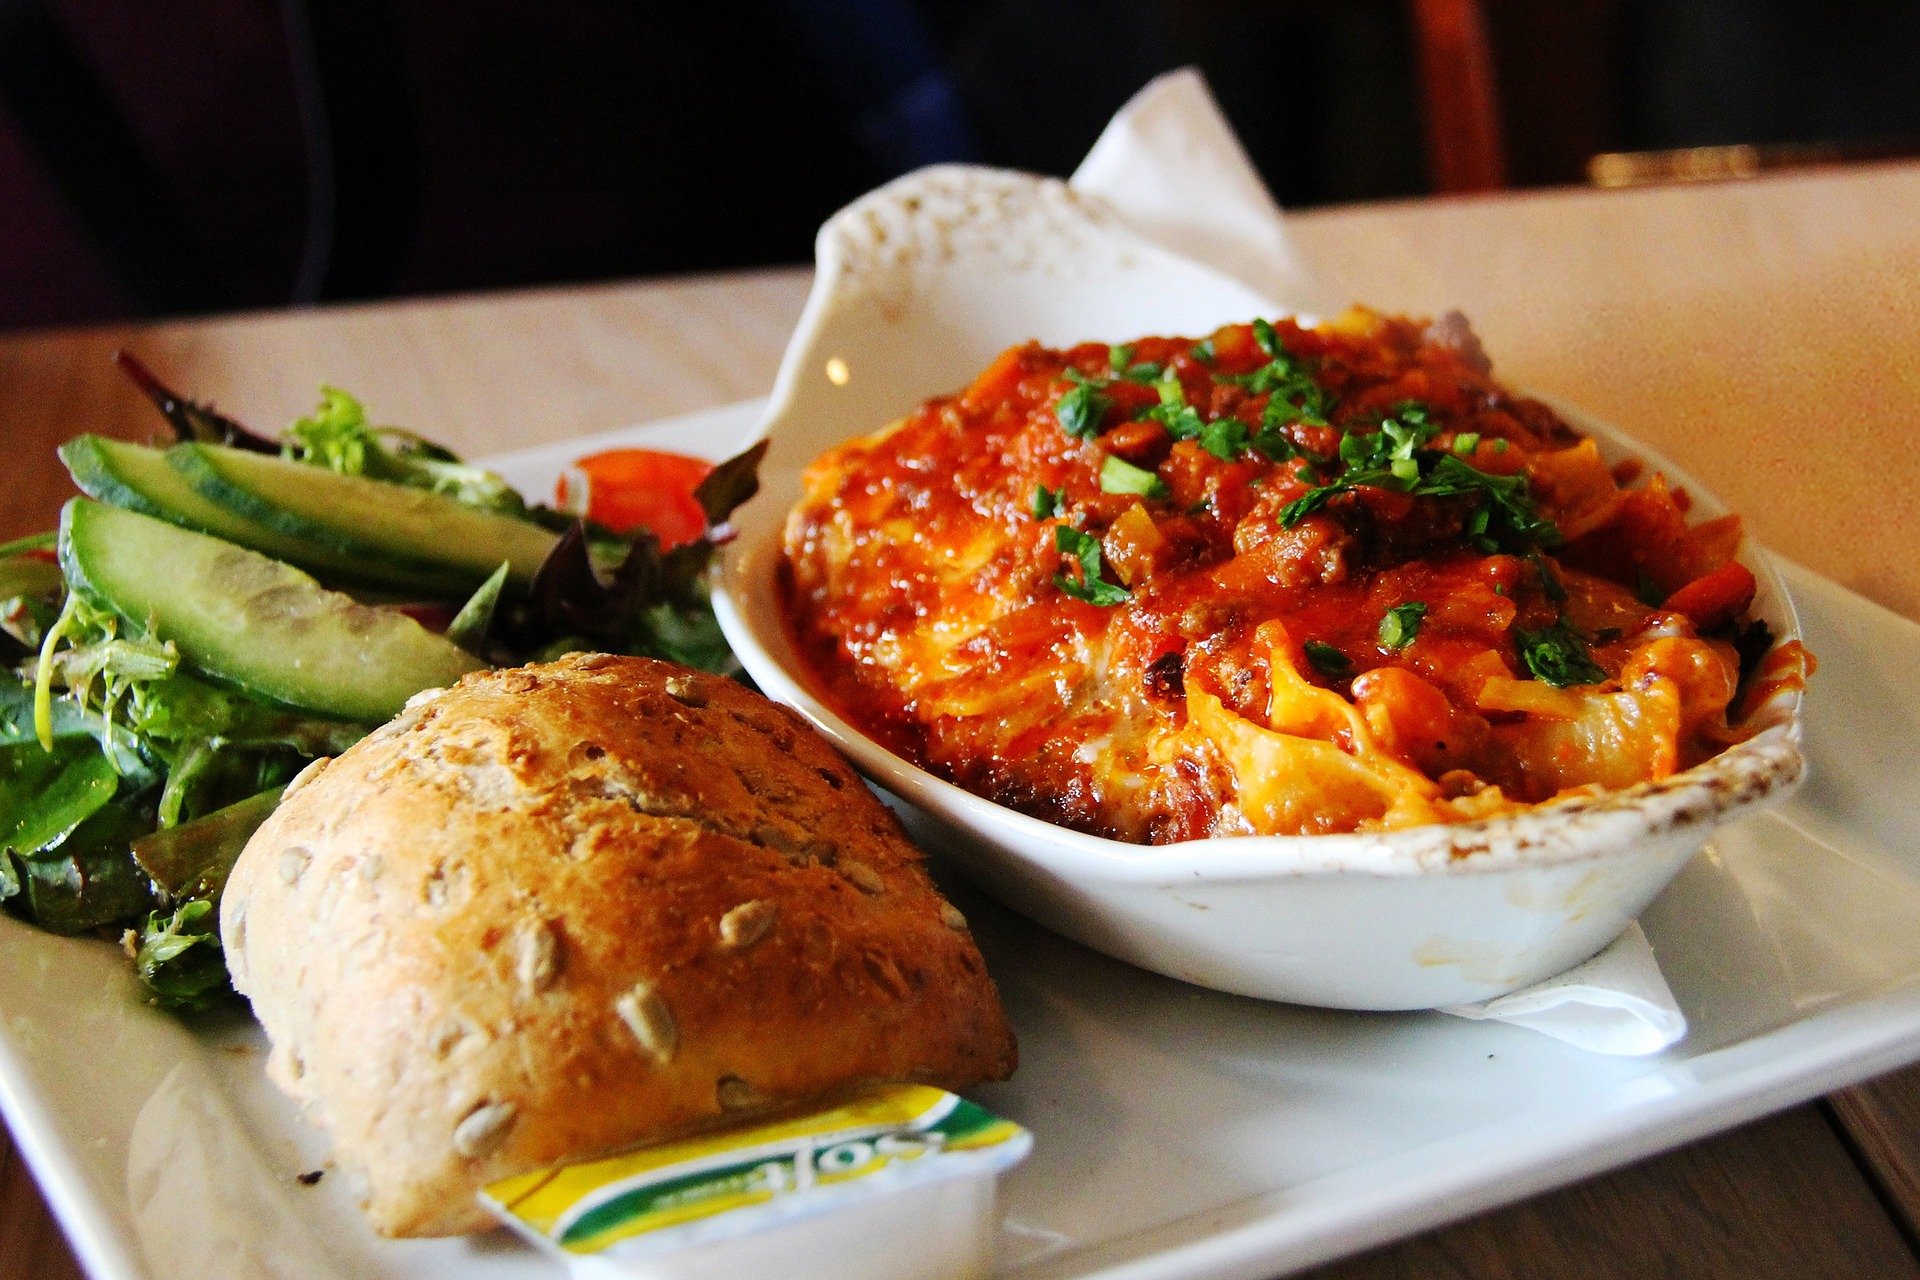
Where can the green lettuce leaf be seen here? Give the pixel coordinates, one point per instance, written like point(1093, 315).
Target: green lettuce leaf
point(339, 436)
point(180, 960)
point(183, 708)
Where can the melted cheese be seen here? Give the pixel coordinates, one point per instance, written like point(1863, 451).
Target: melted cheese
point(938, 611)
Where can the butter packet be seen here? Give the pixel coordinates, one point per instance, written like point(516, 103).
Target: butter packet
point(826, 1193)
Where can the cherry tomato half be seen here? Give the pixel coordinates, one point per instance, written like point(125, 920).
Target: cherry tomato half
point(630, 489)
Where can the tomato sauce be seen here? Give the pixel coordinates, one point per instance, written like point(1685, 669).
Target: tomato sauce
point(1278, 580)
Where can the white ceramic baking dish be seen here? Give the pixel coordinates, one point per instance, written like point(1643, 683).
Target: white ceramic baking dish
point(919, 285)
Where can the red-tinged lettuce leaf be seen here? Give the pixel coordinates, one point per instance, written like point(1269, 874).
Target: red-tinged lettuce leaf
point(653, 604)
point(190, 420)
point(569, 598)
point(730, 484)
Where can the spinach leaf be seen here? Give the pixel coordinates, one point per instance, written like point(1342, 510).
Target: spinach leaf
point(16, 716)
point(194, 859)
point(473, 625)
point(44, 795)
point(690, 637)
point(208, 774)
point(90, 880)
point(182, 709)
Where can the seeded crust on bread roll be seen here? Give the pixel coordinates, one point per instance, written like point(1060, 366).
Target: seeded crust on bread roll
point(562, 910)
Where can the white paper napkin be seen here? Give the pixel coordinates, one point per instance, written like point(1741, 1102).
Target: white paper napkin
point(1618, 1002)
point(1171, 166)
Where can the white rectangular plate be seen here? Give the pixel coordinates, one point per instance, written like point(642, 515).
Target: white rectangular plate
point(1180, 1133)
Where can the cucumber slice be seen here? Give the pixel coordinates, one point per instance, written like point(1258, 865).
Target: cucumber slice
point(253, 621)
point(140, 479)
point(357, 516)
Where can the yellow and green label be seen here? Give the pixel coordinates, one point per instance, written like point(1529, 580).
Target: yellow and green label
point(897, 1136)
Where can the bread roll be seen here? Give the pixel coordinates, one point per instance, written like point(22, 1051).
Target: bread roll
point(562, 910)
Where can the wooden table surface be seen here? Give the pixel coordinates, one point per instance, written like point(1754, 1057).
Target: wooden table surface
point(1765, 334)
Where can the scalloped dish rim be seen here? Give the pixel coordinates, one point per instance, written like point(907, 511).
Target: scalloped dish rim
point(903, 242)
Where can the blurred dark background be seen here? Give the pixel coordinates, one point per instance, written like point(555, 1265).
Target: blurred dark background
point(183, 156)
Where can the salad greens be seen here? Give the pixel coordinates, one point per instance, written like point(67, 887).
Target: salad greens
point(131, 774)
point(338, 436)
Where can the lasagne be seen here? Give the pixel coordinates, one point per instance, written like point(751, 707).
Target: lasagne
point(1279, 580)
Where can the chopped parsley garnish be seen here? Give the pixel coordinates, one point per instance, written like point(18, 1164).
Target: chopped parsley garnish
point(1117, 475)
point(1182, 420)
point(1507, 516)
point(1269, 340)
point(1275, 445)
point(1286, 378)
point(1401, 624)
point(1081, 410)
point(1308, 503)
point(1120, 358)
point(1048, 503)
point(1202, 351)
point(1396, 457)
point(1558, 655)
point(1090, 586)
point(1383, 459)
point(1272, 438)
point(1225, 438)
point(1327, 660)
point(1295, 395)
